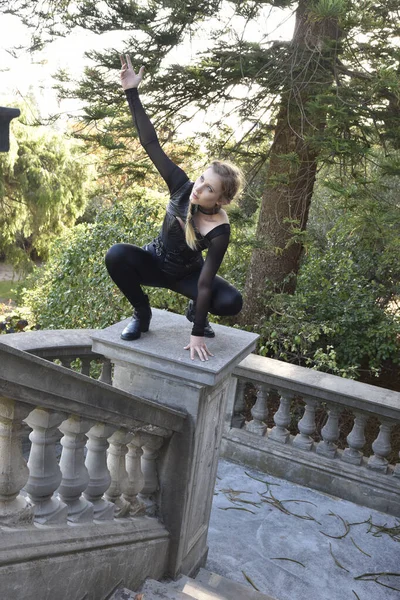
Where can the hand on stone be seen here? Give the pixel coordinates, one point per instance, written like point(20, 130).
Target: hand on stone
point(198, 346)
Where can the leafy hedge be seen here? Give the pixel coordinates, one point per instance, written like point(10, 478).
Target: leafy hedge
point(345, 315)
point(73, 289)
point(343, 318)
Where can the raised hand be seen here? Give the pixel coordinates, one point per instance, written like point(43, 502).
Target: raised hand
point(129, 79)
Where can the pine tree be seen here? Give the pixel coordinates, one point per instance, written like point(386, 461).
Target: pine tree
point(330, 96)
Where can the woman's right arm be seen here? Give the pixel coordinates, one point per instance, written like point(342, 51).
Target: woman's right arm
point(173, 175)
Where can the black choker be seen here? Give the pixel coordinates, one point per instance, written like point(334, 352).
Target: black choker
point(211, 211)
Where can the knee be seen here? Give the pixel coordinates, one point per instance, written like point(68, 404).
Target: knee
point(236, 303)
point(115, 256)
point(230, 304)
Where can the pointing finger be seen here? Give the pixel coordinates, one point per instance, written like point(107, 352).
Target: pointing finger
point(128, 60)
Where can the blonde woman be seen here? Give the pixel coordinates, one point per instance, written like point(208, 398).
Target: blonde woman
point(194, 221)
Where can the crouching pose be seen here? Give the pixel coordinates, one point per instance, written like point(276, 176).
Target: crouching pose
point(194, 221)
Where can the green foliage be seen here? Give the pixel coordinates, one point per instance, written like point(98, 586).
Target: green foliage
point(16, 321)
point(73, 289)
point(336, 86)
point(328, 9)
point(42, 191)
point(345, 315)
point(7, 290)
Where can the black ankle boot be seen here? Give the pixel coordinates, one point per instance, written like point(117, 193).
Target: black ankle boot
point(139, 323)
point(190, 312)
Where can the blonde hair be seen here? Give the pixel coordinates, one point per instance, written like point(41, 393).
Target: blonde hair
point(232, 181)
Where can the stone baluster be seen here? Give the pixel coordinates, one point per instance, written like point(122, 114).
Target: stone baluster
point(15, 509)
point(66, 361)
point(282, 418)
point(306, 425)
point(330, 433)
point(135, 475)
point(99, 475)
point(75, 476)
point(396, 471)
point(119, 476)
point(238, 419)
point(86, 361)
point(356, 440)
point(381, 447)
point(151, 445)
point(106, 372)
point(44, 471)
point(259, 412)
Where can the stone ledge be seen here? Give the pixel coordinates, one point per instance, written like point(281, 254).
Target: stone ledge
point(38, 542)
point(88, 562)
point(28, 378)
point(323, 386)
point(162, 348)
point(331, 476)
point(48, 341)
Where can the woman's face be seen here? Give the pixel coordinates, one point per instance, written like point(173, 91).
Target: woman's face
point(207, 190)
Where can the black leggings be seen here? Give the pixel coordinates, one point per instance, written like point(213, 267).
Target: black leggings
point(130, 267)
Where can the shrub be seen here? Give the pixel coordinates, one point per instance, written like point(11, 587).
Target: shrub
point(73, 289)
point(344, 317)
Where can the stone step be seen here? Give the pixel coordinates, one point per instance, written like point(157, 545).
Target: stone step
point(206, 586)
point(155, 590)
point(123, 594)
point(226, 589)
point(210, 586)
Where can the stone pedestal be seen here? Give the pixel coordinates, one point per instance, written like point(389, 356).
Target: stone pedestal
point(157, 367)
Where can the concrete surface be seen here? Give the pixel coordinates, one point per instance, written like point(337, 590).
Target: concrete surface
point(259, 542)
point(162, 348)
point(158, 368)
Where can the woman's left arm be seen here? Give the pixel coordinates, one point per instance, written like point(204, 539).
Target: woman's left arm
point(215, 254)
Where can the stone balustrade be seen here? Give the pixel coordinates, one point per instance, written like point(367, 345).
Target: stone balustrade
point(130, 495)
point(95, 483)
point(308, 456)
point(71, 348)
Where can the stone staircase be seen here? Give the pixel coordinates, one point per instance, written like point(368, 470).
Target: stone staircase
point(206, 586)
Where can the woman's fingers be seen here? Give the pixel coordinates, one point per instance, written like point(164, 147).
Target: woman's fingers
point(122, 59)
point(128, 61)
point(202, 352)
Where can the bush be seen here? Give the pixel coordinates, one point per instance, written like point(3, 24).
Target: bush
point(344, 317)
point(16, 321)
point(73, 289)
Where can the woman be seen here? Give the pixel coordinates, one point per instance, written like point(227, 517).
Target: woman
point(194, 221)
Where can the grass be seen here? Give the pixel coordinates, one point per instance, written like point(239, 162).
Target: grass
point(6, 290)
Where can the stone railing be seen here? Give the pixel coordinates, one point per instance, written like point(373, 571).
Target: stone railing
point(303, 457)
point(71, 348)
point(105, 480)
point(130, 496)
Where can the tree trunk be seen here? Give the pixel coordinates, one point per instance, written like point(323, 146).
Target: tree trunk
point(292, 169)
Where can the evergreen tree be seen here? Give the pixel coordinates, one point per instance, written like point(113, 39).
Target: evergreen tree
point(42, 191)
point(330, 95)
